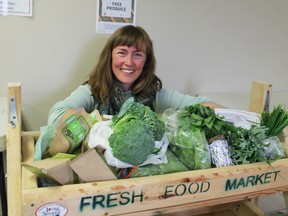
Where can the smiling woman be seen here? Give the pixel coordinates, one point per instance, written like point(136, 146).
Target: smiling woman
point(126, 68)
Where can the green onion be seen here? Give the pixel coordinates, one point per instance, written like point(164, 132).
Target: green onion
point(275, 121)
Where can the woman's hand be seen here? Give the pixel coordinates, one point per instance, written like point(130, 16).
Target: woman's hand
point(212, 105)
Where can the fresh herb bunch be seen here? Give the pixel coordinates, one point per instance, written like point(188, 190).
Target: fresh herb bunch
point(205, 117)
point(247, 144)
point(275, 121)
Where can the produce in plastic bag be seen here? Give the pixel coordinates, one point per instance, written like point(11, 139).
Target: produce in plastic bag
point(173, 166)
point(220, 153)
point(187, 142)
point(273, 148)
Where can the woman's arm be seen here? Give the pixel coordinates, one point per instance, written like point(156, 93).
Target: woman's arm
point(79, 98)
point(167, 98)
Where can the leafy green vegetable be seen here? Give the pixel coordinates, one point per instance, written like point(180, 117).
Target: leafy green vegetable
point(132, 142)
point(187, 141)
point(205, 117)
point(275, 121)
point(135, 130)
point(202, 158)
point(190, 148)
point(135, 110)
point(186, 134)
point(247, 144)
point(173, 166)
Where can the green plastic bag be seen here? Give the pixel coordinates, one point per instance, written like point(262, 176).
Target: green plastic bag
point(173, 166)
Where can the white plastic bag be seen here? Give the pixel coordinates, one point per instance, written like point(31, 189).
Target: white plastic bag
point(98, 137)
point(239, 118)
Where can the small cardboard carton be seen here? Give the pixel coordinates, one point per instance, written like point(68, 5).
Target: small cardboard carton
point(55, 170)
point(71, 132)
point(90, 166)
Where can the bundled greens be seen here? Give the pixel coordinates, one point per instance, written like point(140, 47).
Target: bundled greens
point(275, 121)
point(247, 144)
point(135, 130)
point(205, 117)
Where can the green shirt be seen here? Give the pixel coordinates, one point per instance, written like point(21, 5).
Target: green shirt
point(82, 98)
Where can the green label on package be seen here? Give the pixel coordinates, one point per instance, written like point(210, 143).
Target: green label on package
point(93, 117)
point(74, 130)
point(77, 130)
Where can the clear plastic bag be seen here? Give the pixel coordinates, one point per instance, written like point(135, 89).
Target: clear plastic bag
point(273, 148)
point(187, 142)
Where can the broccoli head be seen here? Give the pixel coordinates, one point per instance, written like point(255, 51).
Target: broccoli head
point(132, 142)
point(134, 110)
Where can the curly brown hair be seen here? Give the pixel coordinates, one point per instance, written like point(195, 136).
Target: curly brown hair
point(101, 78)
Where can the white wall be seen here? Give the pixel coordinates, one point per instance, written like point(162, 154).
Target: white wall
point(202, 46)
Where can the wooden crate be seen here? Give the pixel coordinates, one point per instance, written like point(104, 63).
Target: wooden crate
point(215, 191)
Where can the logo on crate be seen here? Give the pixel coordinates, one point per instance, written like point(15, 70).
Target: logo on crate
point(51, 209)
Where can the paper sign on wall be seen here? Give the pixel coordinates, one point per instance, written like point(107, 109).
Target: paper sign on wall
point(16, 7)
point(112, 14)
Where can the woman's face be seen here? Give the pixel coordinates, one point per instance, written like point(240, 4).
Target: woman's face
point(127, 64)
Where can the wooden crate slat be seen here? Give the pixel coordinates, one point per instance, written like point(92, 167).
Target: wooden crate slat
point(13, 140)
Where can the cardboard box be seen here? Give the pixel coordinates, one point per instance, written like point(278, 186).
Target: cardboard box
point(54, 170)
point(90, 166)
